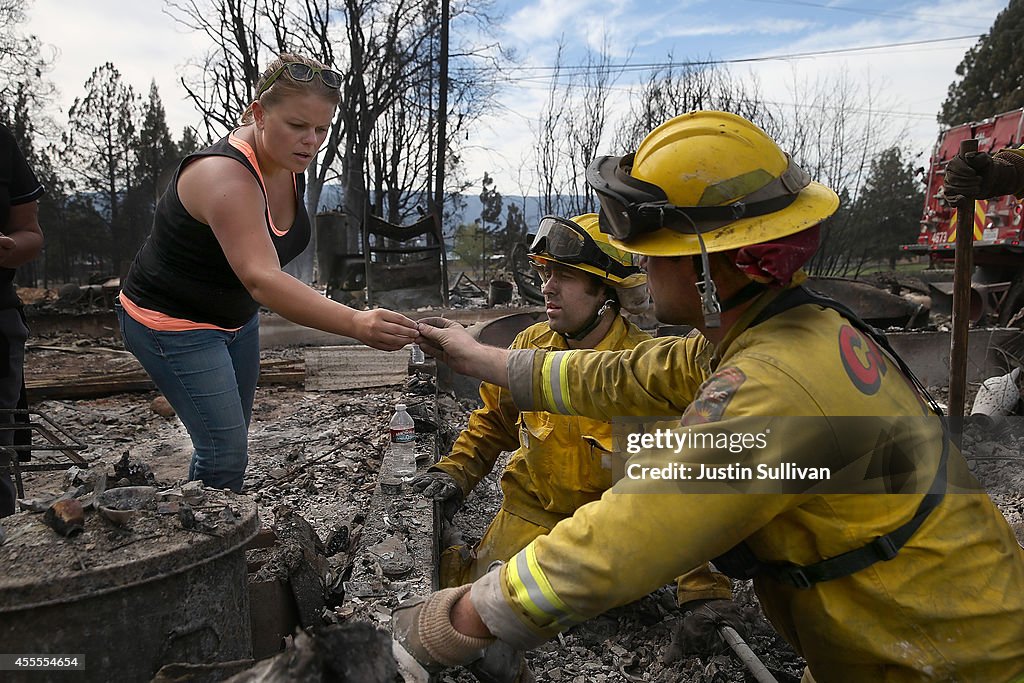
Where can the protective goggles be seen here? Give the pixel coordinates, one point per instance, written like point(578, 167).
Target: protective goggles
point(565, 242)
point(303, 73)
point(632, 207)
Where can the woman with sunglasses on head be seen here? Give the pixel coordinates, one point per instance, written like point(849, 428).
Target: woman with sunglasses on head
point(231, 217)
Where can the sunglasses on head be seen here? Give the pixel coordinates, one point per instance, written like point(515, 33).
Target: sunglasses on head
point(303, 73)
point(631, 207)
point(566, 242)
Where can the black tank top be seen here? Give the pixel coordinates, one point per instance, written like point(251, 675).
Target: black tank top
point(181, 270)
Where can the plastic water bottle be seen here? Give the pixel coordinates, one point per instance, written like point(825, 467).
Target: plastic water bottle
point(403, 442)
point(416, 356)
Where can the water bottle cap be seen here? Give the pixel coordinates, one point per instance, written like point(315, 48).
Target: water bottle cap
point(399, 406)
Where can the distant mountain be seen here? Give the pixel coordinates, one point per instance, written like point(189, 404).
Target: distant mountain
point(331, 199)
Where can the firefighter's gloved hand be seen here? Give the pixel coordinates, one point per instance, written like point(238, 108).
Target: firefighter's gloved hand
point(423, 626)
point(965, 176)
point(437, 485)
point(979, 175)
point(442, 487)
point(698, 633)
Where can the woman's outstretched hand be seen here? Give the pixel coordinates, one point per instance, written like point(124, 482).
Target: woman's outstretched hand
point(384, 329)
point(450, 343)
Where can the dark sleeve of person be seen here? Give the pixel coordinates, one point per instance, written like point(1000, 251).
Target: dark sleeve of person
point(18, 184)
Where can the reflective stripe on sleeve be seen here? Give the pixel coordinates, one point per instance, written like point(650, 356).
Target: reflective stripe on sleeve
point(504, 620)
point(530, 588)
point(555, 383)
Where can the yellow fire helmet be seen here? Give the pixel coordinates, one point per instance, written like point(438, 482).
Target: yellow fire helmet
point(578, 243)
point(706, 172)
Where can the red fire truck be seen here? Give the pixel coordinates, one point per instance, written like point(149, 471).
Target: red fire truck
point(998, 234)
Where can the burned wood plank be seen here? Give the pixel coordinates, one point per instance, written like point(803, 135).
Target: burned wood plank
point(289, 377)
point(135, 381)
point(334, 368)
point(61, 387)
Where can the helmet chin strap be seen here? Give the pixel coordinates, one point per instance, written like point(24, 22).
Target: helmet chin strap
point(709, 303)
point(581, 333)
point(712, 307)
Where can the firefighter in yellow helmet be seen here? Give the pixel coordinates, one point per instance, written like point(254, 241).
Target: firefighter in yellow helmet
point(560, 462)
point(900, 569)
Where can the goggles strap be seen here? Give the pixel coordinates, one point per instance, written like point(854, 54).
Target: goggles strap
point(709, 214)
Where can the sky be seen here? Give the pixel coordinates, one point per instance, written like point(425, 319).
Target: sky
point(903, 52)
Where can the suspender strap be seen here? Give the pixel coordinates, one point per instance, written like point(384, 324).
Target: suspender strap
point(741, 563)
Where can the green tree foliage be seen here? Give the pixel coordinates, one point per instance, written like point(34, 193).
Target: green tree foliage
point(189, 142)
point(870, 230)
point(478, 247)
point(471, 246)
point(157, 154)
point(85, 241)
point(513, 232)
point(515, 223)
point(26, 97)
point(991, 75)
point(155, 160)
point(101, 152)
point(57, 261)
point(502, 237)
point(491, 203)
point(889, 207)
point(103, 182)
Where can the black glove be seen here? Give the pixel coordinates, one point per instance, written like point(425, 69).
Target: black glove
point(979, 175)
point(442, 487)
point(698, 633)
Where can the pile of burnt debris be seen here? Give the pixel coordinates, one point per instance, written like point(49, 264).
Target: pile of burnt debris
point(322, 557)
point(296, 578)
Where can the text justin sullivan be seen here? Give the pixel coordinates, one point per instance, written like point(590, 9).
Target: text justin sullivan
point(733, 472)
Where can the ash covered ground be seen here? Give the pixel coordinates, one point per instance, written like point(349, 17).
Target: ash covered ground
point(319, 454)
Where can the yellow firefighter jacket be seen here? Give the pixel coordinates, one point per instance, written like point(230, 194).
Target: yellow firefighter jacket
point(560, 462)
point(948, 607)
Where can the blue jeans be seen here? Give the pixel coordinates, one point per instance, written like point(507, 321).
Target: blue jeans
point(209, 378)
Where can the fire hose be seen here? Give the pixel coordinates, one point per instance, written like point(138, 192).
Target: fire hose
point(743, 652)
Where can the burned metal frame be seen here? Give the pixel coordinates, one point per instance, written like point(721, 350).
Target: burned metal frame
point(57, 440)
